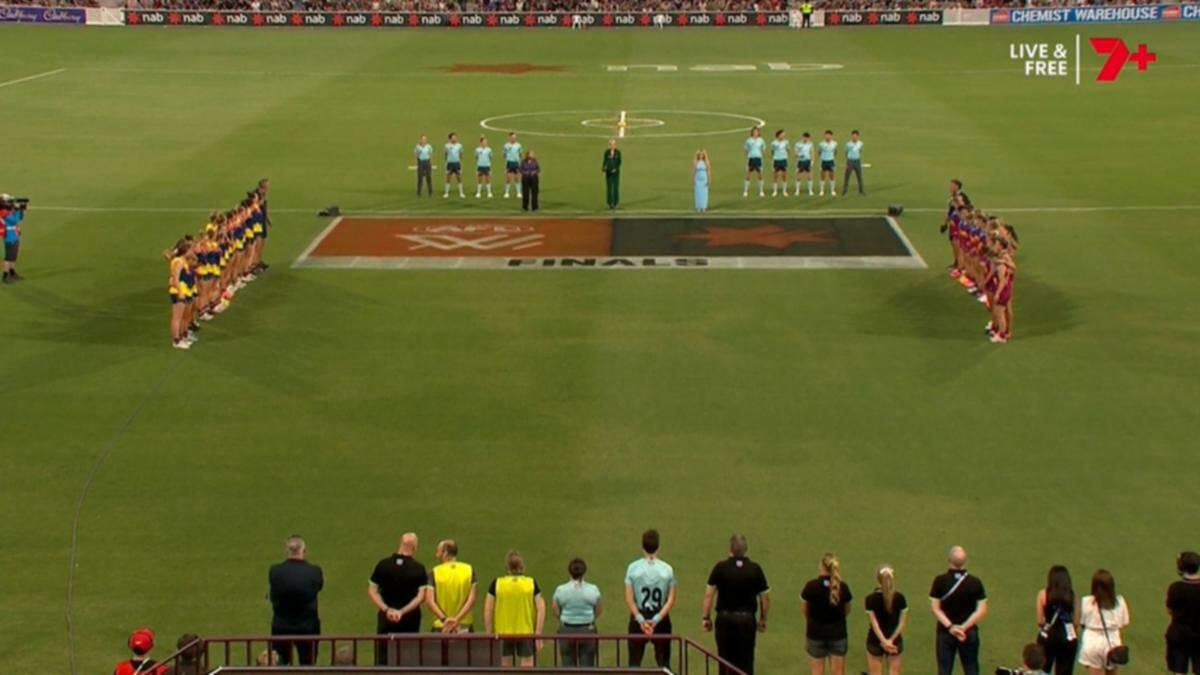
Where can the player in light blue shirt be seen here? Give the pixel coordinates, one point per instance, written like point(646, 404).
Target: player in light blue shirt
point(828, 151)
point(804, 155)
point(512, 165)
point(577, 606)
point(650, 596)
point(754, 157)
point(779, 160)
point(423, 151)
point(853, 163)
point(483, 167)
point(453, 152)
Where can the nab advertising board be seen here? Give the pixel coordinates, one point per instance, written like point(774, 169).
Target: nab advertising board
point(455, 20)
point(928, 17)
point(1096, 14)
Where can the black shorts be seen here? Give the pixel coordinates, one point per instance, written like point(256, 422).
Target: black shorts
point(483, 170)
point(1179, 656)
point(519, 648)
point(754, 164)
point(781, 165)
point(512, 167)
point(454, 167)
point(875, 649)
point(827, 165)
point(804, 165)
point(10, 250)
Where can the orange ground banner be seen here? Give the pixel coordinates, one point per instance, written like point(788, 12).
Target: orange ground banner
point(441, 237)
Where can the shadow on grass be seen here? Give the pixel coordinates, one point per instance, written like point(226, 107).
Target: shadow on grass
point(936, 308)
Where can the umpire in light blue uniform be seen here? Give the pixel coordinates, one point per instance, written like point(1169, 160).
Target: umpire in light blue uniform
point(424, 154)
point(853, 163)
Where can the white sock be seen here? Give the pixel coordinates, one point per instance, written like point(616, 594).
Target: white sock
point(745, 186)
point(760, 186)
point(810, 186)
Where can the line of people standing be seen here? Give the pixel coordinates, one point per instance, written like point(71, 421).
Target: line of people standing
point(1070, 630)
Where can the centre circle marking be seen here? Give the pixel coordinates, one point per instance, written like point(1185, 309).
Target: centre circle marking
point(635, 119)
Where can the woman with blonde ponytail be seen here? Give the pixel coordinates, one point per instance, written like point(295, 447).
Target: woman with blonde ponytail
point(887, 611)
point(826, 602)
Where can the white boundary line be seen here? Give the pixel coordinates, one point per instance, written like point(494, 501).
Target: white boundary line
point(48, 73)
point(615, 262)
point(912, 250)
point(300, 259)
point(487, 121)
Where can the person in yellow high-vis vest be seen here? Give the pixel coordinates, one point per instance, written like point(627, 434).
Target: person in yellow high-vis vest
point(806, 11)
point(452, 601)
point(515, 607)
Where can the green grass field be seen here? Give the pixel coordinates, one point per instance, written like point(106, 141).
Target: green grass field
point(562, 413)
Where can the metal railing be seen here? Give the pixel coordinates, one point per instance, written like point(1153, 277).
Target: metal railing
point(449, 654)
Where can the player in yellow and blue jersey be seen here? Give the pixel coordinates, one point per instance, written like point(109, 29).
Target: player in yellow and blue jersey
point(754, 157)
point(483, 167)
point(453, 153)
point(779, 160)
point(804, 154)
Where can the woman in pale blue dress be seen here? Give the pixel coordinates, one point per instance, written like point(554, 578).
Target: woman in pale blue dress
point(701, 173)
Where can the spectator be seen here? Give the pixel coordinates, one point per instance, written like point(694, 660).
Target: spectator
point(1102, 615)
point(739, 587)
point(959, 603)
point(826, 602)
point(514, 606)
point(141, 641)
point(1056, 621)
point(294, 585)
point(397, 589)
point(1183, 603)
point(188, 661)
point(1033, 662)
point(577, 605)
point(887, 612)
point(650, 596)
point(267, 658)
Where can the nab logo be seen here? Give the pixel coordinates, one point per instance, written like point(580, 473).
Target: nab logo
point(1118, 56)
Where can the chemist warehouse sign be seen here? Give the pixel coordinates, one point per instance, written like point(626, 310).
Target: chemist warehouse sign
point(1097, 14)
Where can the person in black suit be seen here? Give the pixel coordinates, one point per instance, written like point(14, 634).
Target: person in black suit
point(294, 584)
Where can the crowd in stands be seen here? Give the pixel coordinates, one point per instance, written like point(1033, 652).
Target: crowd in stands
point(1073, 628)
point(521, 6)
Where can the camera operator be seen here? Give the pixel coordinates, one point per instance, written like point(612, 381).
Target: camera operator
point(1033, 659)
point(12, 212)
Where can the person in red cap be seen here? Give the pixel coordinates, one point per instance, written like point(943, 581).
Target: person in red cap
point(141, 641)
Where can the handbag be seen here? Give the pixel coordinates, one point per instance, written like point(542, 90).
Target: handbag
point(1115, 656)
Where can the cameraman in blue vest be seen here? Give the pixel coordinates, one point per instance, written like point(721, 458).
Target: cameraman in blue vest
point(12, 212)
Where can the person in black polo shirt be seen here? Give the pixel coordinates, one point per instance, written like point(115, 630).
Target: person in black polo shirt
point(294, 585)
point(826, 602)
point(959, 603)
point(397, 589)
point(1183, 603)
point(739, 587)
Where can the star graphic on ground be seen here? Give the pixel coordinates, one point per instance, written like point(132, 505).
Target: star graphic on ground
point(771, 236)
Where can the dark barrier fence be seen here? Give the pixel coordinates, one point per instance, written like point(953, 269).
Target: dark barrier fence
point(445, 654)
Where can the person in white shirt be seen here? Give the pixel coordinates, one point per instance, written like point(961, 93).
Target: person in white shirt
point(1102, 615)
